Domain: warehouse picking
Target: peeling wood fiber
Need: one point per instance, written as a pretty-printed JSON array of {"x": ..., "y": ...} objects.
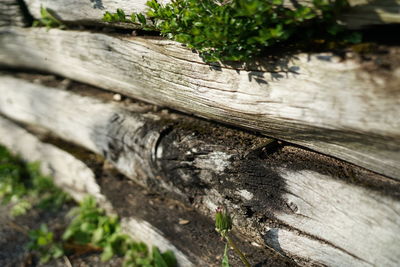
[{"x": 298, "y": 202}]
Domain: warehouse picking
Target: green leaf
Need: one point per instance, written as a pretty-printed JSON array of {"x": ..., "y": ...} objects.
[
  {"x": 133, "y": 17},
  {"x": 121, "y": 15},
  {"x": 141, "y": 18},
  {"x": 57, "y": 252},
  {"x": 158, "y": 258},
  {"x": 107, "y": 254},
  {"x": 223, "y": 221},
  {"x": 169, "y": 258},
  {"x": 108, "y": 17},
  {"x": 97, "y": 235}
]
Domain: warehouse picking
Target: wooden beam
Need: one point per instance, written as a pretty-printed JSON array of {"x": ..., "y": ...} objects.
[
  {"x": 298, "y": 202},
  {"x": 362, "y": 13},
  {"x": 344, "y": 108}
]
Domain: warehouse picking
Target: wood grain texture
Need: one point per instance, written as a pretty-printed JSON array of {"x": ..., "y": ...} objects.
[
  {"x": 13, "y": 13},
  {"x": 376, "y": 12},
  {"x": 298, "y": 202},
  {"x": 361, "y": 14},
  {"x": 73, "y": 176},
  {"x": 348, "y": 109}
]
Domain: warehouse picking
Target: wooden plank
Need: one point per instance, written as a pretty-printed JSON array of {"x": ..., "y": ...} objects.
[
  {"x": 73, "y": 176},
  {"x": 362, "y": 13},
  {"x": 344, "y": 108},
  {"x": 298, "y": 202}
]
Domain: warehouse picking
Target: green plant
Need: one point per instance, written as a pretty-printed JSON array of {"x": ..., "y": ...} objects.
[
  {"x": 223, "y": 225},
  {"x": 91, "y": 230},
  {"x": 238, "y": 30},
  {"x": 48, "y": 20},
  {"x": 92, "y": 227},
  {"x": 23, "y": 186},
  {"x": 42, "y": 241}
]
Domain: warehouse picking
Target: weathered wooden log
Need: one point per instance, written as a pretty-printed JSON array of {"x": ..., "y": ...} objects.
[
  {"x": 362, "y": 13},
  {"x": 344, "y": 108},
  {"x": 298, "y": 202}
]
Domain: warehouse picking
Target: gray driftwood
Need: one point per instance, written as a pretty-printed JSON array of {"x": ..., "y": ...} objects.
[
  {"x": 344, "y": 108},
  {"x": 298, "y": 202},
  {"x": 361, "y": 14},
  {"x": 73, "y": 176}
]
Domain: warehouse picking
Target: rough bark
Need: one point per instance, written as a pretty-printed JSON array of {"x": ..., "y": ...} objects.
[
  {"x": 362, "y": 13},
  {"x": 344, "y": 108},
  {"x": 298, "y": 202}
]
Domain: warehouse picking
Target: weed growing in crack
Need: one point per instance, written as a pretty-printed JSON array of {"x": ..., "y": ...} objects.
[{"x": 48, "y": 20}]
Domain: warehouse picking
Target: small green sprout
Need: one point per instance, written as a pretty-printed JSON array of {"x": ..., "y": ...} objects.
[
  {"x": 48, "y": 20},
  {"x": 119, "y": 16},
  {"x": 223, "y": 221},
  {"x": 223, "y": 225},
  {"x": 42, "y": 241}
]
